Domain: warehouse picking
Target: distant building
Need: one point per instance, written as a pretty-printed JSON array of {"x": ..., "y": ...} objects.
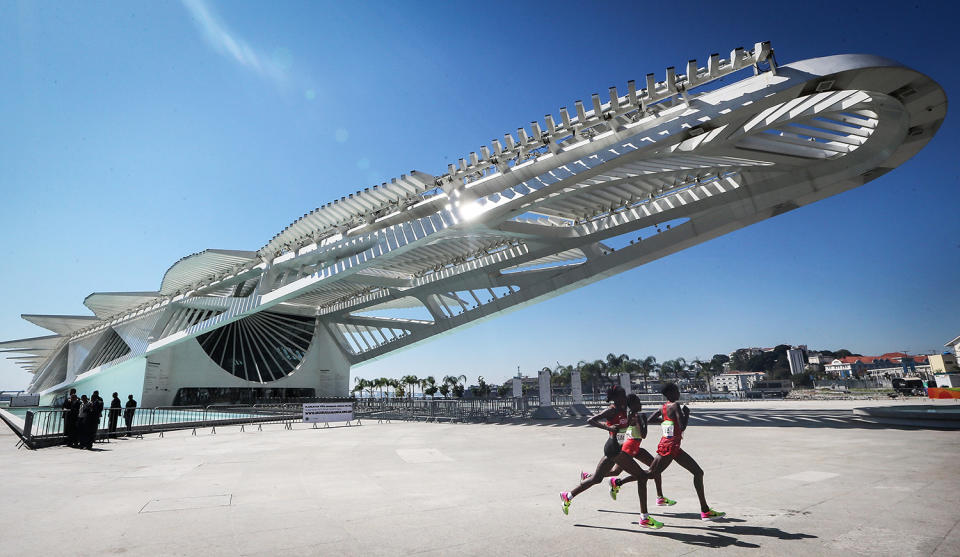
[
  {"x": 891, "y": 364},
  {"x": 846, "y": 368},
  {"x": 947, "y": 361},
  {"x": 818, "y": 359},
  {"x": 955, "y": 344},
  {"x": 795, "y": 357},
  {"x": 736, "y": 381},
  {"x": 943, "y": 363}
]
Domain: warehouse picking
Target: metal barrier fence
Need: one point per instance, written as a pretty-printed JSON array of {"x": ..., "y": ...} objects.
[
  {"x": 478, "y": 409},
  {"x": 45, "y": 427}
]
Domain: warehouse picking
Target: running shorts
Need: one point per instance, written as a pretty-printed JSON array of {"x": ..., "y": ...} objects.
[
  {"x": 631, "y": 447},
  {"x": 669, "y": 446},
  {"x": 611, "y": 449}
]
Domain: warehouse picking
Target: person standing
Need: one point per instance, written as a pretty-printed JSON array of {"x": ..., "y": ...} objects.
[
  {"x": 70, "y": 417},
  {"x": 83, "y": 423},
  {"x": 128, "y": 412},
  {"x": 96, "y": 413},
  {"x": 114, "y": 414}
]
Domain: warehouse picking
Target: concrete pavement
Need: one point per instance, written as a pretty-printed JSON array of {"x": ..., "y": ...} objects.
[{"x": 442, "y": 489}]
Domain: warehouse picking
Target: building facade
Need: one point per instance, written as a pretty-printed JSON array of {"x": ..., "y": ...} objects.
[{"x": 736, "y": 381}]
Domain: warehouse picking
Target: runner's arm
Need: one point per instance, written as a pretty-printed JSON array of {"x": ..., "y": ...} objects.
[
  {"x": 596, "y": 419},
  {"x": 643, "y": 425}
]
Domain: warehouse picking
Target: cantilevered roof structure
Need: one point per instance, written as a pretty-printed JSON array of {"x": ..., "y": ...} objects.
[{"x": 635, "y": 174}]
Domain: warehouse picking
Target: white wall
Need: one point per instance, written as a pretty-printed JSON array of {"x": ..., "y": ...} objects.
[{"x": 324, "y": 368}]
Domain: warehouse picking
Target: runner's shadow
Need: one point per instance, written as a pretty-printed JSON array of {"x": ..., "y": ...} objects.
[
  {"x": 752, "y": 531},
  {"x": 696, "y": 516},
  {"x": 691, "y": 516},
  {"x": 712, "y": 539}
]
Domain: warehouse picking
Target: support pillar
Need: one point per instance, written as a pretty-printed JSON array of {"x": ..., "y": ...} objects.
[
  {"x": 546, "y": 411},
  {"x": 578, "y": 408}
]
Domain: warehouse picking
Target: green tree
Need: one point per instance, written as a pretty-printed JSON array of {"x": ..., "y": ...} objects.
[
  {"x": 444, "y": 387},
  {"x": 380, "y": 383},
  {"x": 560, "y": 376},
  {"x": 482, "y": 390},
  {"x": 428, "y": 386},
  {"x": 456, "y": 384},
  {"x": 614, "y": 367},
  {"x": 359, "y": 384},
  {"x": 412, "y": 381},
  {"x": 647, "y": 366}
]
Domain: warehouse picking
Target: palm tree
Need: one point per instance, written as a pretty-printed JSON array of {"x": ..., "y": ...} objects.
[
  {"x": 380, "y": 383},
  {"x": 411, "y": 380},
  {"x": 428, "y": 385},
  {"x": 615, "y": 366},
  {"x": 444, "y": 387},
  {"x": 359, "y": 384},
  {"x": 560, "y": 376},
  {"x": 648, "y": 365},
  {"x": 596, "y": 371},
  {"x": 450, "y": 384},
  {"x": 482, "y": 388}
]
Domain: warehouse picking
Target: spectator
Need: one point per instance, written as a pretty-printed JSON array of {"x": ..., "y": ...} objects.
[
  {"x": 70, "y": 407},
  {"x": 114, "y": 414},
  {"x": 83, "y": 423},
  {"x": 128, "y": 412},
  {"x": 96, "y": 413}
]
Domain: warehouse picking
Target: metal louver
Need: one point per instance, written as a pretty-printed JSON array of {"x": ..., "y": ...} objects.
[{"x": 263, "y": 347}]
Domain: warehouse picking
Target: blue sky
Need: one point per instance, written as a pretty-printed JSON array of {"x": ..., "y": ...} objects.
[{"x": 136, "y": 133}]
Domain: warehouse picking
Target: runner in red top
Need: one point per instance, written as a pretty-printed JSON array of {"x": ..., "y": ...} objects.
[
  {"x": 614, "y": 420},
  {"x": 636, "y": 432},
  {"x": 674, "y": 422}
]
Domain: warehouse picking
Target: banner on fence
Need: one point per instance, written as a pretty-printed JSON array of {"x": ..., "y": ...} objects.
[
  {"x": 324, "y": 412},
  {"x": 24, "y": 400}
]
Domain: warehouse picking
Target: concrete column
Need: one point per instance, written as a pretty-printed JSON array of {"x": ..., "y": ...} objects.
[
  {"x": 578, "y": 408},
  {"x": 625, "y": 382},
  {"x": 544, "y": 388},
  {"x": 517, "y": 388},
  {"x": 576, "y": 387},
  {"x": 546, "y": 410}
]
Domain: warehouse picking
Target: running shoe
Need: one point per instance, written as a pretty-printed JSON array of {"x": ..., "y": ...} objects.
[
  {"x": 651, "y": 523},
  {"x": 712, "y": 515},
  {"x": 665, "y": 502},
  {"x": 565, "y": 496},
  {"x": 614, "y": 488},
  {"x": 584, "y": 475}
]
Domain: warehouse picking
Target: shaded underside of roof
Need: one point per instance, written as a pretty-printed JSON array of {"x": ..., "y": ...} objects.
[{"x": 202, "y": 265}]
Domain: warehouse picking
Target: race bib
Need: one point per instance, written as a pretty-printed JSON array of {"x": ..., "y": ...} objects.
[
  {"x": 620, "y": 437},
  {"x": 667, "y": 428}
]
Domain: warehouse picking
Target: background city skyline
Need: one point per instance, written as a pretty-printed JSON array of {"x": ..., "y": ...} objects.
[{"x": 138, "y": 134}]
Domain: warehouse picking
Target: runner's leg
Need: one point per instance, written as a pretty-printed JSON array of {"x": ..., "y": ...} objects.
[
  {"x": 684, "y": 459},
  {"x": 647, "y": 458},
  {"x": 631, "y": 467},
  {"x": 603, "y": 469}
]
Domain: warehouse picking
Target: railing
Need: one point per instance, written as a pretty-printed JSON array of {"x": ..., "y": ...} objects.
[
  {"x": 45, "y": 427},
  {"x": 480, "y": 409}
]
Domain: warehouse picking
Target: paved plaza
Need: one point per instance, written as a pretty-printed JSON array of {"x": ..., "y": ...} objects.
[{"x": 815, "y": 484}]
